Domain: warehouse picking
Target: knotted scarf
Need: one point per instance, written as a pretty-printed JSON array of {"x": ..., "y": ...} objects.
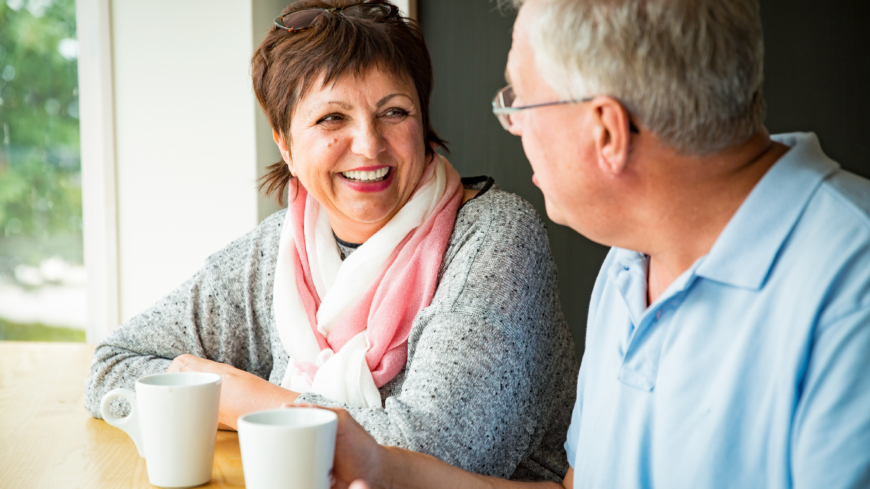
[{"x": 345, "y": 324}]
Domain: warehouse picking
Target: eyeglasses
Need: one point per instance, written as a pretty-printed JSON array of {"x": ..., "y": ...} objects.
[
  {"x": 502, "y": 107},
  {"x": 303, "y": 19}
]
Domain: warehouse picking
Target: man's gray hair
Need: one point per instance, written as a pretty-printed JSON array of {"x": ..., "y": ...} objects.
[{"x": 690, "y": 71}]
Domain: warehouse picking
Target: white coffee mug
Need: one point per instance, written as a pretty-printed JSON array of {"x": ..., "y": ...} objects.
[
  {"x": 288, "y": 448},
  {"x": 173, "y": 422}
]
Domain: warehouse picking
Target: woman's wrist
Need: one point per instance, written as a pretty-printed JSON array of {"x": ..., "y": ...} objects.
[{"x": 243, "y": 393}]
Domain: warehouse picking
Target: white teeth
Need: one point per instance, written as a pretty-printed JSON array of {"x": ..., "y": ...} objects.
[{"x": 367, "y": 176}]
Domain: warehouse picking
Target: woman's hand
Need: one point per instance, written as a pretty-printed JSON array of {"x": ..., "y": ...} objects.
[
  {"x": 192, "y": 363},
  {"x": 358, "y": 457},
  {"x": 241, "y": 392}
]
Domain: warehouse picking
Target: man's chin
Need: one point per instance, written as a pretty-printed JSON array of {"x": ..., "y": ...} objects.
[{"x": 554, "y": 214}]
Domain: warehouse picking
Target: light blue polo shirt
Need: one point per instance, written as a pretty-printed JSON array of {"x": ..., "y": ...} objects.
[{"x": 753, "y": 369}]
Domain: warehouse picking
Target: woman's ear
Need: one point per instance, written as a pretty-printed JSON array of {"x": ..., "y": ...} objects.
[
  {"x": 283, "y": 148},
  {"x": 435, "y": 154}
]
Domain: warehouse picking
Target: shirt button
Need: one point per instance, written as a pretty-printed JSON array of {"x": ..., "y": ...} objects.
[{"x": 659, "y": 314}]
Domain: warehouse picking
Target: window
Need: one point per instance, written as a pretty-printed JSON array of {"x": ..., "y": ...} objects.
[{"x": 42, "y": 278}]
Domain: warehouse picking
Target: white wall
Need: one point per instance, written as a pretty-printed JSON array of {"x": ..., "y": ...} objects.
[
  {"x": 408, "y": 8},
  {"x": 99, "y": 209},
  {"x": 186, "y": 137}
]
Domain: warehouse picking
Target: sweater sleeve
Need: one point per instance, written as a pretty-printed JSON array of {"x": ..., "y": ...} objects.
[
  {"x": 222, "y": 313},
  {"x": 490, "y": 362}
]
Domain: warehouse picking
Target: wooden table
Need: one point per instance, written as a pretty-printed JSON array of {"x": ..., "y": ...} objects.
[{"x": 48, "y": 439}]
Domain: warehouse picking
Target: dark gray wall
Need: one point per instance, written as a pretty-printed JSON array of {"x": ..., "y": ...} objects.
[
  {"x": 817, "y": 79},
  {"x": 817, "y": 74}
]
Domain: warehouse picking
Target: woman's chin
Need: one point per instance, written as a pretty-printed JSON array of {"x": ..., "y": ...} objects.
[
  {"x": 370, "y": 209},
  {"x": 358, "y": 224},
  {"x": 370, "y": 219}
]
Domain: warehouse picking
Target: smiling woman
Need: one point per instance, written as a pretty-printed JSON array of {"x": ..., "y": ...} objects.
[
  {"x": 359, "y": 151},
  {"x": 422, "y": 303}
]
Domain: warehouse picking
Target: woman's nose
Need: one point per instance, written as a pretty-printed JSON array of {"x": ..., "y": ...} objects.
[{"x": 368, "y": 141}]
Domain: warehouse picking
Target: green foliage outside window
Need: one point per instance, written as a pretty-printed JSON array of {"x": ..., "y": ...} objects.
[
  {"x": 10, "y": 331},
  {"x": 40, "y": 183}
]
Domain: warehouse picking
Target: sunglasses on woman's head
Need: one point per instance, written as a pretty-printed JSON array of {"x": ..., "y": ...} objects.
[{"x": 303, "y": 19}]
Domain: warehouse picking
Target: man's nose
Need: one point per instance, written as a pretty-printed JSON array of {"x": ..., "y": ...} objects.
[{"x": 517, "y": 121}]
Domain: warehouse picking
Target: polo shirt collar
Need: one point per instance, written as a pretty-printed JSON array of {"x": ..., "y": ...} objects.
[
  {"x": 744, "y": 253},
  {"x": 628, "y": 272}
]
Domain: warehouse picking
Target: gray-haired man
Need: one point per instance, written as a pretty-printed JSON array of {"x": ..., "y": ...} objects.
[{"x": 728, "y": 338}]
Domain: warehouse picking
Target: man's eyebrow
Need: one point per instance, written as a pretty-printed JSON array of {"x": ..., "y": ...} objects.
[
  {"x": 507, "y": 76},
  {"x": 389, "y": 97}
]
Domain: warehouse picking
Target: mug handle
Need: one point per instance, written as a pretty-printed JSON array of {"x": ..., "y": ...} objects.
[{"x": 130, "y": 423}]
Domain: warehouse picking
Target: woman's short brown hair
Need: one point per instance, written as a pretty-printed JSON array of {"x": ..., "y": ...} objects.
[{"x": 286, "y": 64}]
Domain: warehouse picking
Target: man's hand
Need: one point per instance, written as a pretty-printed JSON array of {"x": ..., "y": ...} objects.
[
  {"x": 358, "y": 457},
  {"x": 241, "y": 392}
]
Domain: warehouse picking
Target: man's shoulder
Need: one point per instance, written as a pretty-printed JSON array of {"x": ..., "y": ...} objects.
[
  {"x": 836, "y": 219},
  {"x": 852, "y": 197},
  {"x": 803, "y": 223},
  {"x": 832, "y": 243},
  {"x": 821, "y": 268},
  {"x": 845, "y": 196}
]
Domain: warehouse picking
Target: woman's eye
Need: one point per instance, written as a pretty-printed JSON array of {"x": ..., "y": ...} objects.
[
  {"x": 396, "y": 113},
  {"x": 330, "y": 118}
]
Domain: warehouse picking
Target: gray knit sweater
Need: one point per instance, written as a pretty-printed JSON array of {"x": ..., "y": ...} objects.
[{"x": 490, "y": 379}]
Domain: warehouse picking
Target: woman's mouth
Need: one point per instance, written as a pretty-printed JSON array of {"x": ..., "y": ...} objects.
[
  {"x": 367, "y": 176},
  {"x": 370, "y": 179}
]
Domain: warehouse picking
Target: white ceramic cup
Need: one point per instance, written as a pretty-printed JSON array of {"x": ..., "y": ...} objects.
[
  {"x": 173, "y": 422},
  {"x": 288, "y": 448}
]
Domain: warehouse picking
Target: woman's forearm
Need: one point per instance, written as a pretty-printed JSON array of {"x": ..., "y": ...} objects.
[
  {"x": 241, "y": 392},
  {"x": 115, "y": 367},
  {"x": 245, "y": 393}
]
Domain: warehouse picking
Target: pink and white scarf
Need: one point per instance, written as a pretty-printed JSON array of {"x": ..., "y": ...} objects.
[{"x": 345, "y": 324}]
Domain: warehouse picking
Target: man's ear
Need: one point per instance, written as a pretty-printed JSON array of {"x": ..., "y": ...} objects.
[
  {"x": 283, "y": 148},
  {"x": 612, "y": 134}
]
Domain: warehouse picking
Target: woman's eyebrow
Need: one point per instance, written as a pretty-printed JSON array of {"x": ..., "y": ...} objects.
[
  {"x": 347, "y": 106},
  {"x": 343, "y": 105},
  {"x": 386, "y": 99}
]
